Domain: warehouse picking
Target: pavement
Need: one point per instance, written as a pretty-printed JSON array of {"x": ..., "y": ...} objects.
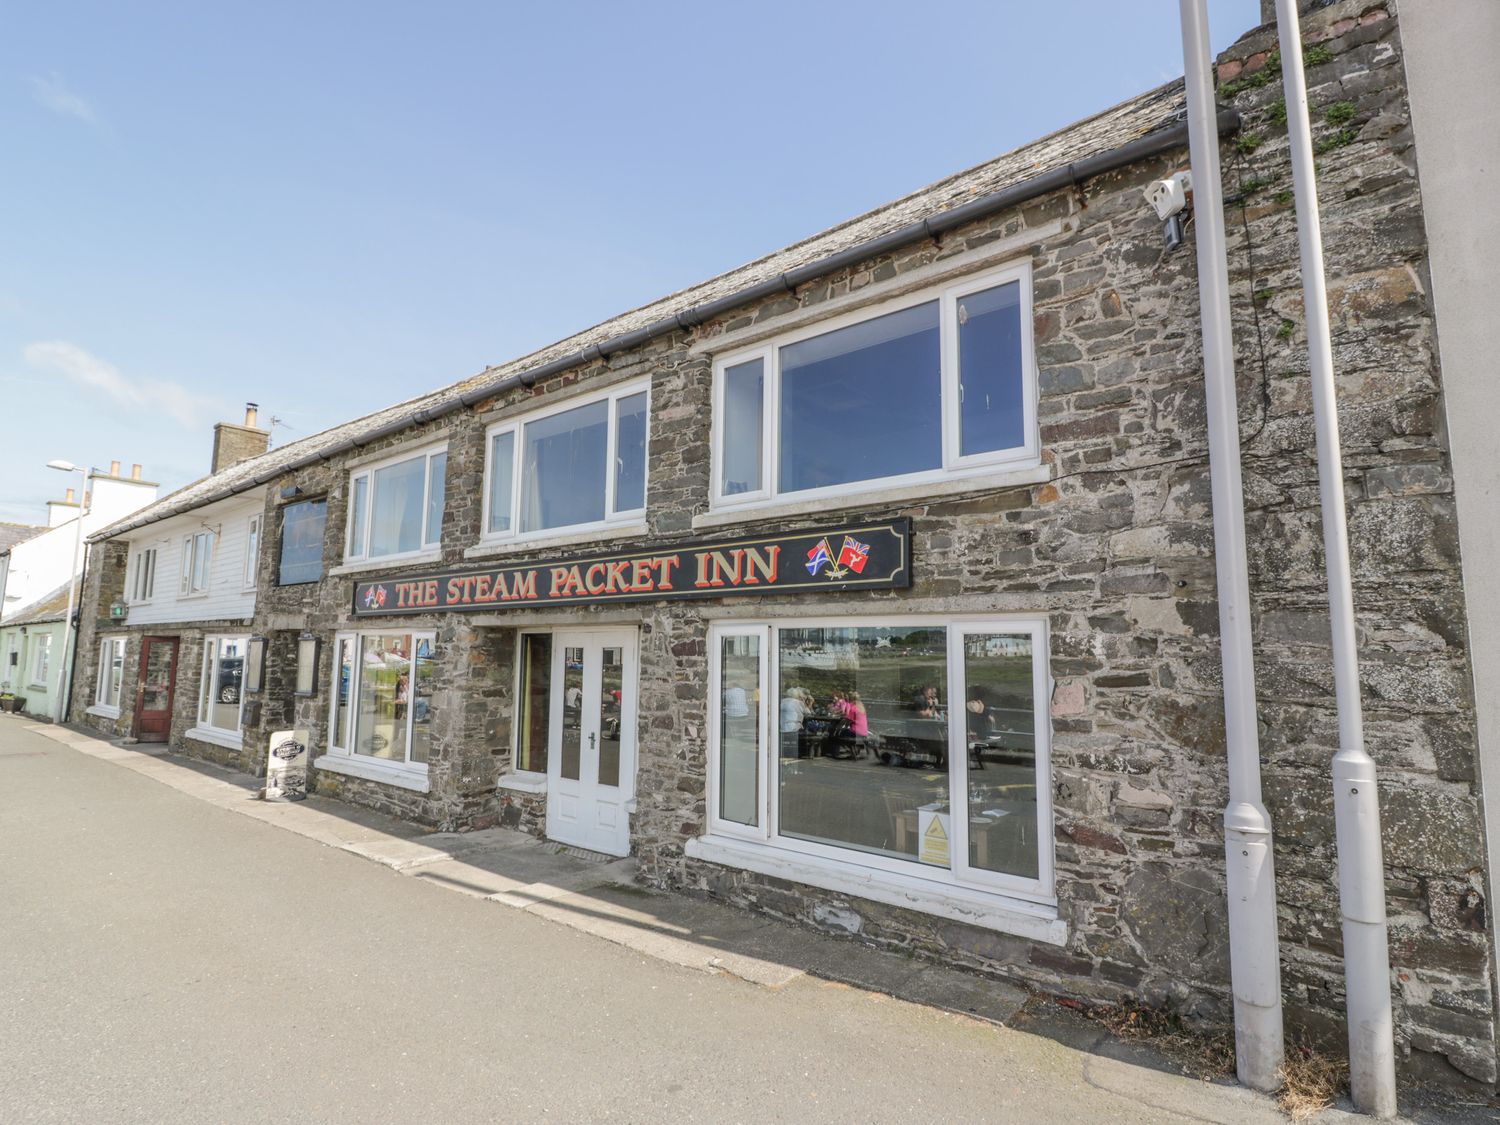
[{"x": 177, "y": 950}]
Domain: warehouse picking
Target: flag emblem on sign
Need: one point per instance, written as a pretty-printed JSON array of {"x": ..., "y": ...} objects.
[
  {"x": 819, "y": 557},
  {"x": 854, "y": 554},
  {"x": 375, "y": 597}
]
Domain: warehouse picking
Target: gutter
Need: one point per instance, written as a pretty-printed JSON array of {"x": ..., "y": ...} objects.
[{"x": 1073, "y": 174}]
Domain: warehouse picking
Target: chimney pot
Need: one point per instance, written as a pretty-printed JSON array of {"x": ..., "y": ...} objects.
[
  {"x": 252, "y": 414},
  {"x": 135, "y": 472},
  {"x": 114, "y": 468},
  {"x": 68, "y": 496}
]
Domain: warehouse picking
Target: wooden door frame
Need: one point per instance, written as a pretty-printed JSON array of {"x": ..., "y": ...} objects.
[{"x": 140, "y": 684}]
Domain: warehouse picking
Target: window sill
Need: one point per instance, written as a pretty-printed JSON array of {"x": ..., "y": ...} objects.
[
  {"x": 401, "y": 776},
  {"x": 568, "y": 539},
  {"x": 230, "y": 741},
  {"x": 103, "y": 711},
  {"x": 523, "y": 783},
  {"x": 992, "y": 480},
  {"x": 990, "y": 910},
  {"x": 389, "y": 563}
]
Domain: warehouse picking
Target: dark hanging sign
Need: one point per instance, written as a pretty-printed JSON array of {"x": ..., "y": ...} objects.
[{"x": 871, "y": 556}]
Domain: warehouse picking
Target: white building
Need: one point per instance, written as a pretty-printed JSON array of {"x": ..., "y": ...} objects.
[{"x": 35, "y": 575}]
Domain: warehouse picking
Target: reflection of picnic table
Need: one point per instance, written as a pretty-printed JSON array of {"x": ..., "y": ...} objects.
[{"x": 913, "y": 741}]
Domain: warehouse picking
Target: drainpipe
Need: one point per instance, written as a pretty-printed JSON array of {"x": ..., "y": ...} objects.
[
  {"x": 1254, "y": 956},
  {"x": 1356, "y": 804}
]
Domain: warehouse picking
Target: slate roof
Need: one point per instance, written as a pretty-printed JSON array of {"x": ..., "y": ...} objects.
[
  {"x": 1136, "y": 117},
  {"x": 14, "y": 533},
  {"x": 49, "y": 607}
]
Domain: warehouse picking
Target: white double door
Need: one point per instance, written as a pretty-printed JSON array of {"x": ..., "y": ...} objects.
[{"x": 591, "y": 755}]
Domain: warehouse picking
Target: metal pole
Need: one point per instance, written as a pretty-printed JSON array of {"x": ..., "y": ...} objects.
[
  {"x": 1254, "y": 955},
  {"x": 1356, "y": 804},
  {"x": 74, "y": 581}
]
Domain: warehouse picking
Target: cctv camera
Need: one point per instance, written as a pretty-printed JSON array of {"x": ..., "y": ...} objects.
[{"x": 1169, "y": 196}]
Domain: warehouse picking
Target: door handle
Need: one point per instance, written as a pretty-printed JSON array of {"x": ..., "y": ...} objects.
[{"x": 591, "y": 740}]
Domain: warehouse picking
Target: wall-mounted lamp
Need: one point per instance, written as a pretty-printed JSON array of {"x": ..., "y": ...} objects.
[
  {"x": 307, "y": 664},
  {"x": 255, "y": 665}
]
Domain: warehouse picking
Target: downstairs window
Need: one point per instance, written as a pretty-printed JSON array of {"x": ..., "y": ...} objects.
[{"x": 912, "y": 746}]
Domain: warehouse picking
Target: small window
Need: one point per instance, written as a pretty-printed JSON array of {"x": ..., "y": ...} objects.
[
  {"x": 252, "y": 551},
  {"x": 396, "y": 508},
  {"x": 534, "y": 713},
  {"x": 221, "y": 694},
  {"x": 111, "y": 672},
  {"x": 921, "y": 389},
  {"x": 143, "y": 577},
  {"x": 197, "y": 563},
  {"x": 41, "y": 661},
  {"x": 302, "y": 527},
  {"x": 382, "y": 697},
  {"x": 576, "y": 467}
]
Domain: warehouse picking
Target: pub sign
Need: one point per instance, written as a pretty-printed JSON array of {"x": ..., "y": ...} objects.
[{"x": 868, "y": 556}]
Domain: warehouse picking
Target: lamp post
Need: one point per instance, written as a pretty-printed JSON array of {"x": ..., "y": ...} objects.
[{"x": 74, "y": 581}]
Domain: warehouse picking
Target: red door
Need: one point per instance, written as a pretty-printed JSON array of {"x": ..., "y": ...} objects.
[{"x": 153, "y": 694}]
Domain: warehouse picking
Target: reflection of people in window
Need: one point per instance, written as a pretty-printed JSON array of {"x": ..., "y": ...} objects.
[
  {"x": 793, "y": 711},
  {"x": 925, "y": 703},
  {"x": 573, "y": 698},
  {"x": 736, "y": 704}
]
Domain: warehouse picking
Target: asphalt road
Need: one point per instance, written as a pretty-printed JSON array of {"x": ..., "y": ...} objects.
[{"x": 165, "y": 960}]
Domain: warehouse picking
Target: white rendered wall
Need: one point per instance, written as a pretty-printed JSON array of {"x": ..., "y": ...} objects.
[
  {"x": 227, "y": 595},
  {"x": 1455, "y": 104}
]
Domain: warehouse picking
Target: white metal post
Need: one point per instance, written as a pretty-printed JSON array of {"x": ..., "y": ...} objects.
[
  {"x": 1254, "y": 953},
  {"x": 1356, "y": 804},
  {"x": 75, "y": 580}
]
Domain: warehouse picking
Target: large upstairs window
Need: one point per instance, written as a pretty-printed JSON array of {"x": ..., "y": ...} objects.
[
  {"x": 927, "y": 387},
  {"x": 396, "y": 506},
  {"x": 577, "y": 467}
]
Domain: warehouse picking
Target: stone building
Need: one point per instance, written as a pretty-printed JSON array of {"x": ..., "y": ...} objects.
[{"x": 761, "y": 581}]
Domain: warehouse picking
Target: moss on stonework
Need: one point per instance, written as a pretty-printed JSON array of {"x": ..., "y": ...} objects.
[
  {"x": 1277, "y": 111},
  {"x": 1336, "y": 140},
  {"x": 1316, "y": 56},
  {"x": 1339, "y": 112},
  {"x": 1281, "y": 198},
  {"x": 1253, "y": 185},
  {"x": 1248, "y": 142},
  {"x": 1286, "y": 330}
]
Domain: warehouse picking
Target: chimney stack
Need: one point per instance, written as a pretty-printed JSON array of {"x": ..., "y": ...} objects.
[
  {"x": 233, "y": 444},
  {"x": 135, "y": 472},
  {"x": 114, "y": 468},
  {"x": 68, "y": 496}
]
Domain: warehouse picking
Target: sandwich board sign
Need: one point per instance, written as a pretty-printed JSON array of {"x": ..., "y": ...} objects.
[{"x": 286, "y": 766}]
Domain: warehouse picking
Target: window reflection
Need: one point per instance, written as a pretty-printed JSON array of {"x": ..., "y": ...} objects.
[
  {"x": 864, "y": 737},
  {"x": 1000, "y": 736}
]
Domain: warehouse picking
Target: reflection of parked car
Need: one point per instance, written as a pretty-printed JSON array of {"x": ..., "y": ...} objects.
[{"x": 231, "y": 672}]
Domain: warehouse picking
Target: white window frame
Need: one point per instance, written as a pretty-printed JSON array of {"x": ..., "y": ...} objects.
[
  {"x": 203, "y": 720},
  {"x": 107, "y": 648},
  {"x": 252, "y": 550},
  {"x": 41, "y": 659},
  {"x": 846, "y": 861},
  {"x": 205, "y": 541},
  {"x": 431, "y": 538},
  {"x": 338, "y": 741},
  {"x": 954, "y": 466},
  {"x": 143, "y": 582},
  {"x": 612, "y": 518}
]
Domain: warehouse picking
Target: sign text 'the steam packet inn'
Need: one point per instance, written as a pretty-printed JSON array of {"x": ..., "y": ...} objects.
[{"x": 872, "y": 556}]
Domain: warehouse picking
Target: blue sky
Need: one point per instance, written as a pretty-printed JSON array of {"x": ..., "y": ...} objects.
[{"x": 329, "y": 207}]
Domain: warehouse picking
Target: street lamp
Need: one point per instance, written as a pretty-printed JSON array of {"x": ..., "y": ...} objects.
[{"x": 74, "y": 581}]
